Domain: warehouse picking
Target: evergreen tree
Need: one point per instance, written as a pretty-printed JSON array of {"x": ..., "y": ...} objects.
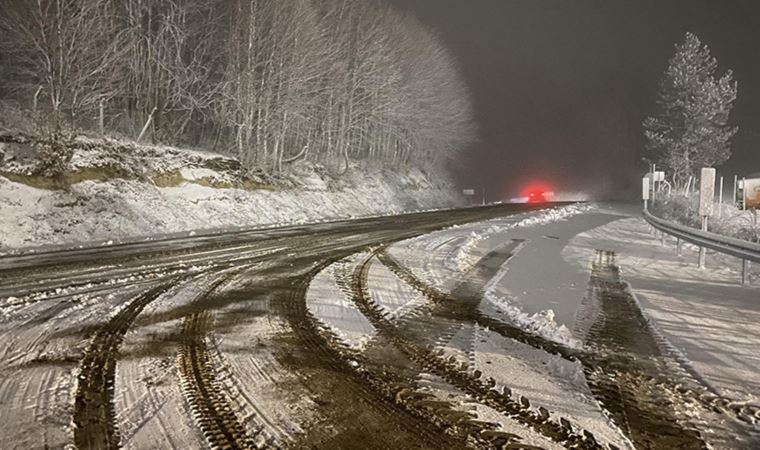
[{"x": 691, "y": 129}]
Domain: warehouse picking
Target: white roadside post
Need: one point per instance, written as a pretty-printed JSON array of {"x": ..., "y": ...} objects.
[
  {"x": 736, "y": 186},
  {"x": 654, "y": 184},
  {"x": 720, "y": 199},
  {"x": 745, "y": 272},
  {"x": 706, "y": 199},
  {"x": 645, "y": 192},
  {"x": 658, "y": 177},
  {"x": 750, "y": 192}
]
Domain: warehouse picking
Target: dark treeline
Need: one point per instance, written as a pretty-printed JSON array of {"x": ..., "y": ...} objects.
[{"x": 272, "y": 81}]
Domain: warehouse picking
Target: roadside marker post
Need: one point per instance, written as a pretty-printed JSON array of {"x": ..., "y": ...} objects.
[
  {"x": 706, "y": 200},
  {"x": 645, "y": 192},
  {"x": 736, "y": 186},
  {"x": 745, "y": 272},
  {"x": 720, "y": 199}
]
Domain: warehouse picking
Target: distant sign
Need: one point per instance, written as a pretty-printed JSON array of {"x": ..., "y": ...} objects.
[
  {"x": 645, "y": 188},
  {"x": 659, "y": 176},
  {"x": 706, "y": 192},
  {"x": 468, "y": 191},
  {"x": 751, "y": 192}
]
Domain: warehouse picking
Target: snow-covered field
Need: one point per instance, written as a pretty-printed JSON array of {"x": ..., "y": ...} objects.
[{"x": 203, "y": 192}]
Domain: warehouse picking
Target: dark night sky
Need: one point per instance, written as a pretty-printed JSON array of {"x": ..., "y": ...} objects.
[{"x": 560, "y": 87}]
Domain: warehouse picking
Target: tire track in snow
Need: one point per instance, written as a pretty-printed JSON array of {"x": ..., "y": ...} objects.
[
  {"x": 442, "y": 301},
  {"x": 94, "y": 413},
  {"x": 630, "y": 376},
  {"x": 403, "y": 411},
  {"x": 205, "y": 394},
  {"x": 463, "y": 380}
]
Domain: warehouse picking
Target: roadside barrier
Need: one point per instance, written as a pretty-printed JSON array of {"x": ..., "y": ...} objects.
[{"x": 746, "y": 251}]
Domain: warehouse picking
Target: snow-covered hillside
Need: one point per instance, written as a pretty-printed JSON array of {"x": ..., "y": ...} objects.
[{"x": 119, "y": 191}]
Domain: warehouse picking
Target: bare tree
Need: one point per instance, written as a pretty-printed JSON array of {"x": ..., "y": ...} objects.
[
  {"x": 276, "y": 81},
  {"x": 65, "y": 51},
  {"x": 67, "y": 47}
]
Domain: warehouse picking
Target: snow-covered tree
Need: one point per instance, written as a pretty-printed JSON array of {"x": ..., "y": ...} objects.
[
  {"x": 691, "y": 129},
  {"x": 331, "y": 81}
]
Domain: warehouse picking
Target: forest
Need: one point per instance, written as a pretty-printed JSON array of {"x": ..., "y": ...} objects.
[{"x": 270, "y": 81}]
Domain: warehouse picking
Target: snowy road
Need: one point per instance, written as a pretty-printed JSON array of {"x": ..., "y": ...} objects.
[{"x": 481, "y": 328}]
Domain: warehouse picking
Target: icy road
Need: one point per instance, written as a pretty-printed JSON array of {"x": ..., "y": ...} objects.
[{"x": 512, "y": 326}]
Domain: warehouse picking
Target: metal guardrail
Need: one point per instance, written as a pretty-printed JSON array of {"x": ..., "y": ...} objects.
[{"x": 744, "y": 250}]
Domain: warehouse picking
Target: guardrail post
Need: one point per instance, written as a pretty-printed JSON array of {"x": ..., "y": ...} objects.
[
  {"x": 702, "y": 250},
  {"x": 745, "y": 251},
  {"x": 745, "y": 272},
  {"x": 662, "y": 238}
]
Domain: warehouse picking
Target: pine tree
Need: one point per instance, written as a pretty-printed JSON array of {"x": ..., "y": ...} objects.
[{"x": 691, "y": 130}]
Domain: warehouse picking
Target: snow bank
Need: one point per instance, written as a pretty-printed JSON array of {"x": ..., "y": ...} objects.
[
  {"x": 202, "y": 199},
  {"x": 541, "y": 323},
  {"x": 466, "y": 256}
]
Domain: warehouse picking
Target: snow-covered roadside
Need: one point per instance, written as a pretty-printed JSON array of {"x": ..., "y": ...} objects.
[
  {"x": 705, "y": 314},
  {"x": 119, "y": 209},
  {"x": 119, "y": 191}
]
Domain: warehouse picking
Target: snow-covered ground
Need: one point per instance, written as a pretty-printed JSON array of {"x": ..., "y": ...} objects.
[
  {"x": 704, "y": 318},
  {"x": 536, "y": 288},
  {"x": 160, "y": 190},
  {"x": 705, "y": 314},
  {"x": 442, "y": 259}
]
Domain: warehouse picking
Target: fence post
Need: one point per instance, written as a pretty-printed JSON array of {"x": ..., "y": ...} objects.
[
  {"x": 678, "y": 246},
  {"x": 745, "y": 272}
]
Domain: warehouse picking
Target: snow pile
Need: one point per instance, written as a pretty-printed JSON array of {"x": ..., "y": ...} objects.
[
  {"x": 541, "y": 323},
  {"x": 466, "y": 256}
]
